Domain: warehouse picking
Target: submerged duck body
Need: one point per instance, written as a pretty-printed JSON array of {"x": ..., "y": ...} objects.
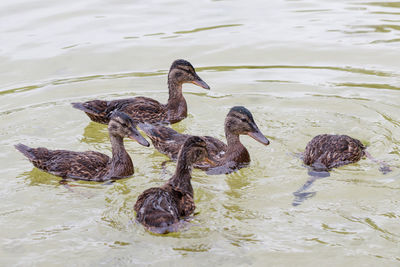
[
  {"x": 90, "y": 165},
  {"x": 159, "y": 209},
  {"x": 328, "y": 151},
  {"x": 225, "y": 158},
  {"x": 144, "y": 109}
]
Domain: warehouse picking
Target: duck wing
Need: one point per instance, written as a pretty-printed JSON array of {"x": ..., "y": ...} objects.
[
  {"x": 166, "y": 140},
  {"x": 184, "y": 200},
  {"x": 156, "y": 209},
  {"x": 216, "y": 148},
  {"x": 87, "y": 165},
  {"x": 333, "y": 150},
  {"x": 141, "y": 109}
]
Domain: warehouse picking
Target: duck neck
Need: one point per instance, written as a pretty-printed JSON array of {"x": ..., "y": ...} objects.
[
  {"x": 176, "y": 106},
  {"x": 121, "y": 162},
  {"x": 182, "y": 177},
  {"x": 236, "y": 151}
]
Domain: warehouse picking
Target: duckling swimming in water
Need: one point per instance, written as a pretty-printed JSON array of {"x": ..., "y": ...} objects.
[
  {"x": 144, "y": 109},
  {"x": 90, "y": 165},
  {"x": 327, "y": 151},
  {"x": 225, "y": 158},
  {"x": 160, "y": 208}
]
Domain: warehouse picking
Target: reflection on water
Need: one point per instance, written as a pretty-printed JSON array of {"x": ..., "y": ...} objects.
[
  {"x": 392, "y": 237},
  {"x": 36, "y": 177},
  {"x": 209, "y": 28},
  {"x": 95, "y": 133},
  {"x": 373, "y": 86},
  {"x": 382, "y": 4},
  {"x": 379, "y": 73},
  {"x": 194, "y": 248},
  {"x": 69, "y": 81},
  {"x": 346, "y": 69}
]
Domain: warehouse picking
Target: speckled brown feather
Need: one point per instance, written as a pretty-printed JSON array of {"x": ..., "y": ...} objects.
[
  {"x": 225, "y": 158},
  {"x": 329, "y": 151},
  {"x": 90, "y": 165},
  {"x": 160, "y": 208},
  {"x": 168, "y": 142},
  {"x": 95, "y": 109},
  {"x": 147, "y": 110},
  {"x": 143, "y": 109}
]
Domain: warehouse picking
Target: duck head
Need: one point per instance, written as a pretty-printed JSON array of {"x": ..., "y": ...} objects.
[
  {"x": 122, "y": 125},
  {"x": 240, "y": 121},
  {"x": 182, "y": 71},
  {"x": 193, "y": 150}
]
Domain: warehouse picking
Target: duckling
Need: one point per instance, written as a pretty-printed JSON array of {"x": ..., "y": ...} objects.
[
  {"x": 90, "y": 165},
  {"x": 144, "y": 109},
  {"x": 226, "y": 158},
  {"x": 160, "y": 208},
  {"x": 327, "y": 151}
]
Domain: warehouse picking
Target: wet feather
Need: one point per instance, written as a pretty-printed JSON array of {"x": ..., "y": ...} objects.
[
  {"x": 225, "y": 158},
  {"x": 160, "y": 209},
  {"x": 89, "y": 165},
  {"x": 144, "y": 109},
  {"x": 327, "y": 151}
]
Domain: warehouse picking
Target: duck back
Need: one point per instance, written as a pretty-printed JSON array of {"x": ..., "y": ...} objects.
[{"x": 333, "y": 150}]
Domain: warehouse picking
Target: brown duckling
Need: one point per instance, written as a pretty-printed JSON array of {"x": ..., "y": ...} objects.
[
  {"x": 160, "y": 208},
  {"x": 144, "y": 109},
  {"x": 90, "y": 165},
  {"x": 226, "y": 158},
  {"x": 327, "y": 151}
]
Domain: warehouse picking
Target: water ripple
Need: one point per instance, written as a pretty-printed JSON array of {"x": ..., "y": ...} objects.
[
  {"x": 369, "y": 85},
  {"x": 208, "y": 28},
  {"x": 382, "y": 4},
  {"x": 82, "y": 79},
  {"x": 212, "y": 68},
  {"x": 342, "y": 69}
]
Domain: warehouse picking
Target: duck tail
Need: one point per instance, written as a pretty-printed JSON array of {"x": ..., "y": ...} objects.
[
  {"x": 94, "y": 107},
  {"x": 26, "y": 150},
  {"x": 97, "y": 110},
  {"x": 79, "y": 105}
]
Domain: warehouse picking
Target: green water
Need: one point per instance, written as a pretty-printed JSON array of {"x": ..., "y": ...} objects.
[{"x": 301, "y": 67}]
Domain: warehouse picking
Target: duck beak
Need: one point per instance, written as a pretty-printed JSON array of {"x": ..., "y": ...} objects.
[
  {"x": 199, "y": 82},
  {"x": 209, "y": 161},
  {"x": 258, "y": 136},
  {"x": 135, "y": 135}
]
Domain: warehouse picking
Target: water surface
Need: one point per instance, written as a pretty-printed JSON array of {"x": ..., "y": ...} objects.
[{"x": 301, "y": 67}]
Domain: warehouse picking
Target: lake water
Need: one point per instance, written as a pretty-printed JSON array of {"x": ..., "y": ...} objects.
[{"x": 301, "y": 67}]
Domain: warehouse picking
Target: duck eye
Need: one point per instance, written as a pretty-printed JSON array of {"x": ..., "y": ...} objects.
[{"x": 243, "y": 120}]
